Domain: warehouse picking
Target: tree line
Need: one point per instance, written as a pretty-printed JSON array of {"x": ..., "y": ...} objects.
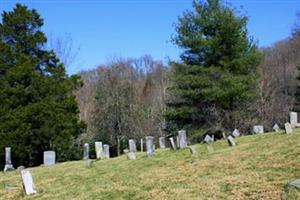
[{"x": 221, "y": 82}]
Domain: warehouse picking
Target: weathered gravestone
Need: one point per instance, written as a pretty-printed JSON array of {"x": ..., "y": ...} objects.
[
  {"x": 86, "y": 151},
  {"x": 231, "y": 141},
  {"x": 208, "y": 139},
  {"x": 106, "y": 153},
  {"x": 131, "y": 155},
  {"x": 28, "y": 184},
  {"x": 149, "y": 146},
  {"x": 294, "y": 184},
  {"x": 132, "y": 146},
  {"x": 99, "y": 150},
  {"x": 294, "y": 120},
  {"x": 49, "y": 158},
  {"x": 8, "y": 164},
  {"x": 182, "y": 139},
  {"x": 162, "y": 142},
  {"x": 288, "y": 128},
  {"x": 142, "y": 145},
  {"x": 236, "y": 133},
  {"x": 258, "y": 129},
  {"x": 172, "y": 143},
  {"x": 177, "y": 141},
  {"x": 276, "y": 128},
  {"x": 193, "y": 150}
]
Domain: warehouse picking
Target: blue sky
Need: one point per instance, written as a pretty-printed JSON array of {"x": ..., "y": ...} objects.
[{"x": 131, "y": 28}]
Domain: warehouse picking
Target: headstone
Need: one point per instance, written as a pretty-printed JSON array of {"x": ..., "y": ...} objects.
[
  {"x": 172, "y": 142},
  {"x": 276, "y": 128},
  {"x": 49, "y": 158},
  {"x": 294, "y": 184},
  {"x": 177, "y": 141},
  {"x": 8, "y": 165},
  {"x": 149, "y": 146},
  {"x": 132, "y": 146},
  {"x": 99, "y": 150},
  {"x": 288, "y": 128},
  {"x": 28, "y": 182},
  {"x": 224, "y": 135},
  {"x": 258, "y": 129},
  {"x": 162, "y": 142},
  {"x": 294, "y": 120},
  {"x": 208, "y": 139},
  {"x": 231, "y": 141},
  {"x": 193, "y": 150},
  {"x": 210, "y": 148},
  {"x": 142, "y": 145},
  {"x": 182, "y": 139},
  {"x": 125, "y": 151},
  {"x": 106, "y": 153},
  {"x": 86, "y": 151},
  {"x": 131, "y": 155},
  {"x": 236, "y": 133}
]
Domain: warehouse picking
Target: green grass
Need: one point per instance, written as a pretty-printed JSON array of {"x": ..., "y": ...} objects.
[{"x": 258, "y": 168}]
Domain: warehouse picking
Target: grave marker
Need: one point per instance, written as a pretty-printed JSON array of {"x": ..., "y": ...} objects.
[
  {"x": 86, "y": 151},
  {"x": 132, "y": 146},
  {"x": 258, "y": 129},
  {"x": 49, "y": 158},
  {"x": 8, "y": 164},
  {"x": 231, "y": 141},
  {"x": 162, "y": 142},
  {"x": 99, "y": 150},
  {"x": 288, "y": 128},
  {"x": 149, "y": 146},
  {"x": 236, "y": 133},
  {"x": 106, "y": 153},
  {"x": 28, "y": 184},
  {"x": 182, "y": 139}
]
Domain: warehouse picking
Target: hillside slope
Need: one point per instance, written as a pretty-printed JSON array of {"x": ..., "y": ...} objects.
[{"x": 258, "y": 168}]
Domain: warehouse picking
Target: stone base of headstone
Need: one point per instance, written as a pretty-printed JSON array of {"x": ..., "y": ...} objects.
[
  {"x": 131, "y": 155},
  {"x": 8, "y": 167}
]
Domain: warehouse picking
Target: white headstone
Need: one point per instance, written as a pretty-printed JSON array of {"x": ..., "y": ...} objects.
[
  {"x": 28, "y": 182},
  {"x": 106, "y": 153},
  {"x": 231, "y": 141},
  {"x": 132, "y": 146},
  {"x": 86, "y": 151},
  {"x": 131, "y": 155},
  {"x": 294, "y": 119},
  {"x": 149, "y": 146},
  {"x": 276, "y": 128},
  {"x": 8, "y": 164},
  {"x": 142, "y": 145},
  {"x": 208, "y": 139},
  {"x": 288, "y": 128},
  {"x": 182, "y": 139},
  {"x": 99, "y": 150},
  {"x": 236, "y": 133},
  {"x": 162, "y": 142},
  {"x": 258, "y": 129},
  {"x": 49, "y": 158},
  {"x": 173, "y": 145}
]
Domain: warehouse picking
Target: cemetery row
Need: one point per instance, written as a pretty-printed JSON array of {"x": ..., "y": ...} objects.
[{"x": 175, "y": 142}]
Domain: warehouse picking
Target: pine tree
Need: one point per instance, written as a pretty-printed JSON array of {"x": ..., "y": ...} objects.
[
  {"x": 217, "y": 77},
  {"x": 38, "y": 110}
]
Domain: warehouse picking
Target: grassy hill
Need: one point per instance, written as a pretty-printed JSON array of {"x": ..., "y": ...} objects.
[{"x": 258, "y": 168}]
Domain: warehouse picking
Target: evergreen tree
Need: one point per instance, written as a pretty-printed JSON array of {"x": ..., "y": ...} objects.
[
  {"x": 217, "y": 76},
  {"x": 38, "y": 110}
]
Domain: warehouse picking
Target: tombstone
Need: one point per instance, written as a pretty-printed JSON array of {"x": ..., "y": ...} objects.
[
  {"x": 276, "y": 128},
  {"x": 224, "y": 135},
  {"x": 294, "y": 119},
  {"x": 106, "y": 154},
  {"x": 231, "y": 141},
  {"x": 208, "y": 139},
  {"x": 288, "y": 128},
  {"x": 49, "y": 158},
  {"x": 149, "y": 146},
  {"x": 236, "y": 133},
  {"x": 131, "y": 155},
  {"x": 177, "y": 141},
  {"x": 162, "y": 142},
  {"x": 28, "y": 184},
  {"x": 99, "y": 150},
  {"x": 86, "y": 151},
  {"x": 294, "y": 184},
  {"x": 193, "y": 150},
  {"x": 132, "y": 146},
  {"x": 142, "y": 145},
  {"x": 8, "y": 165},
  {"x": 258, "y": 129},
  {"x": 172, "y": 142},
  {"x": 182, "y": 139}
]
